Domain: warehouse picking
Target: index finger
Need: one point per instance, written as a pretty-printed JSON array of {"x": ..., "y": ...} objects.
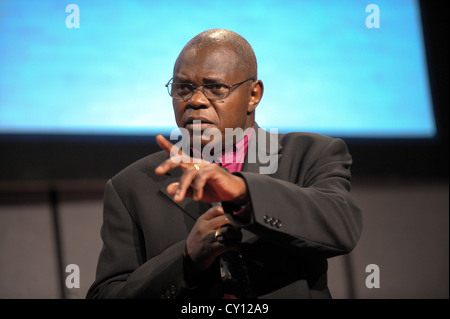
[{"x": 166, "y": 145}]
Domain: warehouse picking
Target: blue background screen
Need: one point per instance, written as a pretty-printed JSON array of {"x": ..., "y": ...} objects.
[{"x": 323, "y": 69}]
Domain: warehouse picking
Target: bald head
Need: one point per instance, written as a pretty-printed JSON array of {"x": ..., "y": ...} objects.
[
  {"x": 217, "y": 61},
  {"x": 246, "y": 57}
]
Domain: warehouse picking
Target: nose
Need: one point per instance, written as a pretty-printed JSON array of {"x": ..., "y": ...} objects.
[{"x": 198, "y": 100}]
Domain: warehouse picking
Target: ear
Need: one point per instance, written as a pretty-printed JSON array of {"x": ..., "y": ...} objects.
[{"x": 257, "y": 89}]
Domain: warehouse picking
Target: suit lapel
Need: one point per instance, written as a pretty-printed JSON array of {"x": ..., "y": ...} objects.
[
  {"x": 253, "y": 163},
  {"x": 260, "y": 146}
]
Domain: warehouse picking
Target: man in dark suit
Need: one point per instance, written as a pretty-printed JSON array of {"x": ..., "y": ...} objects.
[{"x": 246, "y": 215}]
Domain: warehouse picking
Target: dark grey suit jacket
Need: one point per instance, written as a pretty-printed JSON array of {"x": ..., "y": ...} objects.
[{"x": 302, "y": 214}]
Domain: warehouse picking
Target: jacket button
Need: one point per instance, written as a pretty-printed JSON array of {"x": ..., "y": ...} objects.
[
  {"x": 278, "y": 224},
  {"x": 168, "y": 294},
  {"x": 267, "y": 219},
  {"x": 173, "y": 290},
  {"x": 273, "y": 221}
]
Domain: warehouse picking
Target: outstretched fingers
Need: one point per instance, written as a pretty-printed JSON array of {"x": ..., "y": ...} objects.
[
  {"x": 177, "y": 156},
  {"x": 165, "y": 144},
  {"x": 184, "y": 183}
]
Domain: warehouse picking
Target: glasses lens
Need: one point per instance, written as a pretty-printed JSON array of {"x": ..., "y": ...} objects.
[
  {"x": 216, "y": 91},
  {"x": 182, "y": 90}
]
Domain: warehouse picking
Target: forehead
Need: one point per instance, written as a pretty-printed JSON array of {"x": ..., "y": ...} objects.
[{"x": 209, "y": 61}]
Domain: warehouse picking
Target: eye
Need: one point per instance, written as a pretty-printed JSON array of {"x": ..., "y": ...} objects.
[
  {"x": 216, "y": 88},
  {"x": 183, "y": 88}
]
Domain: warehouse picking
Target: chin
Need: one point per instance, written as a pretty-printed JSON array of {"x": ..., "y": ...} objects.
[{"x": 201, "y": 142}]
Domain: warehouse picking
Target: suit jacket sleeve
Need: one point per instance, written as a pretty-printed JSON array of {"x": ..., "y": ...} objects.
[
  {"x": 307, "y": 204},
  {"x": 121, "y": 270}
]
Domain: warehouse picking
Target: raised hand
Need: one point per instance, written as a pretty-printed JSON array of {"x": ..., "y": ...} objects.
[{"x": 201, "y": 180}]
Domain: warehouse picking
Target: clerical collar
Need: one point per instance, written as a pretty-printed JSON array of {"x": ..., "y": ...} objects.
[{"x": 232, "y": 159}]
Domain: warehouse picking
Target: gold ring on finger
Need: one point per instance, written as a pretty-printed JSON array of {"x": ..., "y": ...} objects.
[{"x": 218, "y": 236}]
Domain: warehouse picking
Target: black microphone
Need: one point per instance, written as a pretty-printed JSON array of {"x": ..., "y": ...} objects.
[
  {"x": 230, "y": 263},
  {"x": 231, "y": 270}
]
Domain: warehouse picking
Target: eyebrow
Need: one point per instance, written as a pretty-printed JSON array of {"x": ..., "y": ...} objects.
[
  {"x": 214, "y": 80},
  {"x": 183, "y": 79},
  {"x": 180, "y": 78}
]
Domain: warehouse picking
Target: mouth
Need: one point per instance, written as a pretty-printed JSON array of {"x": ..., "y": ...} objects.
[{"x": 197, "y": 123}]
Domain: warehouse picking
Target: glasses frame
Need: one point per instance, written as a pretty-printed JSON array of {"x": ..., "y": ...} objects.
[{"x": 195, "y": 87}]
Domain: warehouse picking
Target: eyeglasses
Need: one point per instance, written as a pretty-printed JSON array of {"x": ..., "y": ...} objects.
[{"x": 212, "y": 91}]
